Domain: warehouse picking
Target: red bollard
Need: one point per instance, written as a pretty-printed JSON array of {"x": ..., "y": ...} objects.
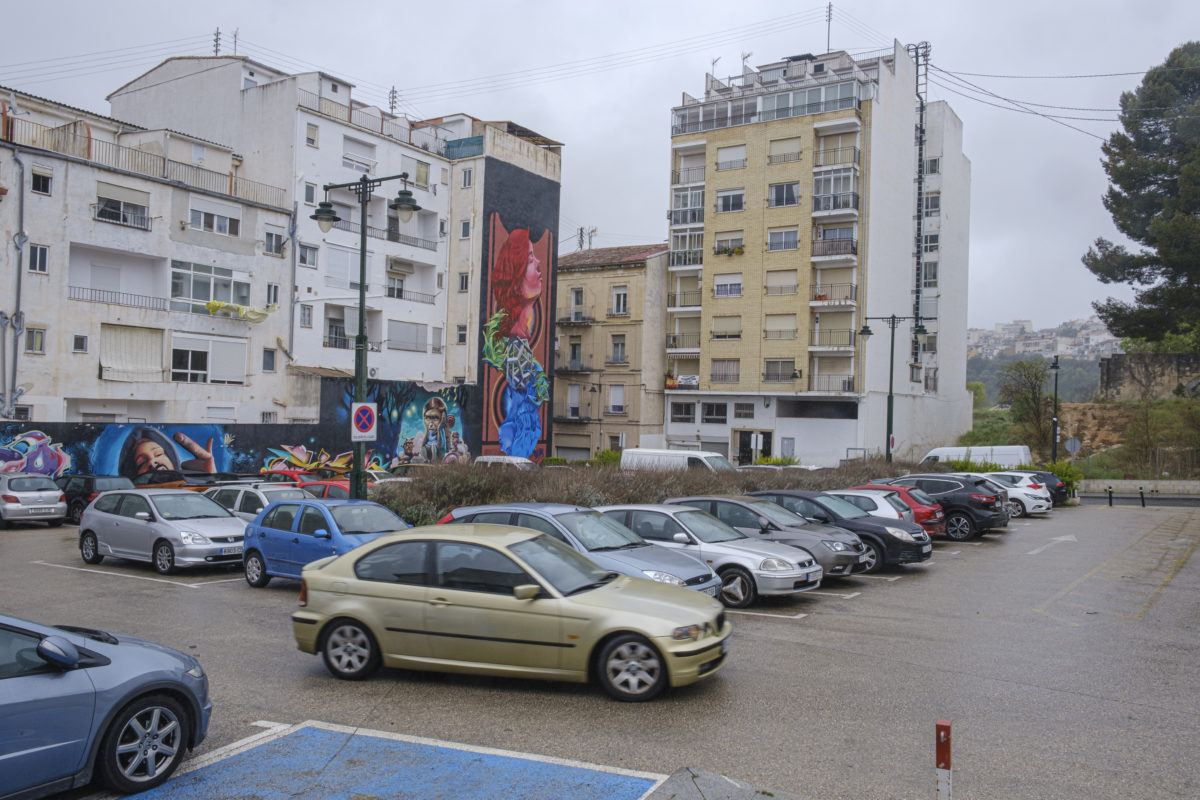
[{"x": 945, "y": 786}]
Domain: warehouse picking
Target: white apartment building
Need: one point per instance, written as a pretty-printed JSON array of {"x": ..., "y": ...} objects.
[
  {"x": 138, "y": 278},
  {"x": 302, "y": 132},
  {"x": 809, "y": 198}
]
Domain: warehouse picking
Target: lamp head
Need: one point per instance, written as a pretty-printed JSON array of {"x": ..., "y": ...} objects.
[
  {"x": 866, "y": 331},
  {"x": 325, "y": 216},
  {"x": 404, "y": 205}
]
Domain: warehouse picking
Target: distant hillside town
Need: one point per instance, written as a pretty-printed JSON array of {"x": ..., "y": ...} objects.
[{"x": 1085, "y": 339}]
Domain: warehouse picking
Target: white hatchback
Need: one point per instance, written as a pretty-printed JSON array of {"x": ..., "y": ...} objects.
[{"x": 876, "y": 502}]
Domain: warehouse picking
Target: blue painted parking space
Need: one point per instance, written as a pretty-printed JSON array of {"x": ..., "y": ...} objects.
[{"x": 314, "y": 761}]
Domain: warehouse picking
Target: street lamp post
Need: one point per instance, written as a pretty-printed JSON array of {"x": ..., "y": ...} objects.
[
  {"x": 1054, "y": 420},
  {"x": 919, "y": 331},
  {"x": 404, "y": 206}
]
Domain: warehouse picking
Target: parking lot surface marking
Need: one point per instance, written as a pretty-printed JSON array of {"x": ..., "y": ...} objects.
[
  {"x": 892, "y": 579},
  {"x": 117, "y": 574},
  {"x": 317, "y": 761},
  {"x": 765, "y": 614},
  {"x": 836, "y": 594}
]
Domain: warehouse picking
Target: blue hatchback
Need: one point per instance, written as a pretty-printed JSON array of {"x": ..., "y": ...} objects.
[{"x": 288, "y": 534}]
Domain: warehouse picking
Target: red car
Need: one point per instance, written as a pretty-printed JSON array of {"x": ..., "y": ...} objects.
[
  {"x": 927, "y": 512},
  {"x": 326, "y": 488},
  {"x": 289, "y": 475}
]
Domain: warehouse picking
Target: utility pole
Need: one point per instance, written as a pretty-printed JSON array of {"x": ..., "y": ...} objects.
[
  {"x": 828, "y": 24},
  {"x": 590, "y": 234},
  {"x": 393, "y": 97},
  {"x": 217, "y": 43}
]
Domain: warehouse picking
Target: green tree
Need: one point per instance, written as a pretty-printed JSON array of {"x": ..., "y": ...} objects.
[
  {"x": 1023, "y": 387},
  {"x": 979, "y": 394},
  {"x": 1153, "y": 167}
]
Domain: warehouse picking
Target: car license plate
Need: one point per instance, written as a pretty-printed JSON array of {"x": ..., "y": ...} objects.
[
  {"x": 863, "y": 558},
  {"x": 231, "y": 551},
  {"x": 42, "y": 510},
  {"x": 927, "y": 548},
  {"x": 710, "y": 591}
]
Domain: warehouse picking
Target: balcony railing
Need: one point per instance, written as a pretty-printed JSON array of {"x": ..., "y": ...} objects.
[
  {"x": 617, "y": 311},
  {"x": 569, "y": 413},
  {"x": 783, "y": 158},
  {"x": 375, "y": 123},
  {"x": 684, "y": 299},
  {"x": 691, "y": 382},
  {"x": 779, "y": 333},
  {"x": 686, "y": 258},
  {"x": 124, "y": 218},
  {"x": 688, "y": 175},
  {"x": 687, "y": 216},
  {"x": 616, "y": 358},
  {"x": 573, "y": 365},
  {"x": 835, "y": 293},
  {"x": 737, "y": 163},
  {"x": 409, "y": 294},
  {"x": 725, "y": 376},
  {"x": 573, "y": 316},
  {"x": 780, "y": 375},
  {"x": 770, "y": 290},
  {"x": 337, "y": 341},
  {"x": 836, "y": 202},
  {"x": 116, "y": 298},
  {"x": 617, "y": 411},
  {"x": 835, "y": 247},
  {"x": 683, "y": 340},
  {"x": 720, "y": 336},
  {"x": 832, "y": 338},
  {"x": 679, "y": 126},
  {"x": 389, "y": 235},
  {"x": 835, "y": 156},
  {"x": 82, "y": 145},
  {"x": 831, "y": 383}
]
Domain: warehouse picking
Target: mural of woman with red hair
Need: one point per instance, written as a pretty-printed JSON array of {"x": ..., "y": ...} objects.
[{"x": 516, "y": 285}]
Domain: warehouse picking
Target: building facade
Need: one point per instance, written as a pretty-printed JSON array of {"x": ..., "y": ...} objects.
[
  {"x": 138, "y": 282},
  {"x": 609, "y": 350},
  {"x": 794, "y": 221}
]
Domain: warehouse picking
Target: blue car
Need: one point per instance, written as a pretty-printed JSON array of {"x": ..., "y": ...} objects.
[
  {"x": 288, "y": 534},
  {"x": 77, "y": 703}
]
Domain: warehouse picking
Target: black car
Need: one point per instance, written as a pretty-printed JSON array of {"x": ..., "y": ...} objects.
[
  {"x": 888, "y": 542},
  {"x": 79, "y": 490},
  {"x": 971, "y": 508}
]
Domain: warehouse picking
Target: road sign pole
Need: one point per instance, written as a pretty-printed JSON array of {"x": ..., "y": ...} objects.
[{"x": 942, "y": 749}]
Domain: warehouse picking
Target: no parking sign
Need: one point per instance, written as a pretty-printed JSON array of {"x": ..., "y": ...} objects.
[{"x": 362, "y": 422}]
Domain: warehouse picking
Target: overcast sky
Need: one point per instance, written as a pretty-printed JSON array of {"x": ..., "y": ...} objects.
[{"x": 601, "y": 77}]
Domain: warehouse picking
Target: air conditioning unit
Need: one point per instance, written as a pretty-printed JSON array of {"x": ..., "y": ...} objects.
[{"x": 372, "y": 372}]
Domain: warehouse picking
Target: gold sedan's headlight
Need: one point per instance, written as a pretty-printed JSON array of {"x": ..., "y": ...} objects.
[{"x": 687, "y": 632}]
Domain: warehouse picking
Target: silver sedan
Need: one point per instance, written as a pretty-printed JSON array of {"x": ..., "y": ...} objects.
[{"x": 169, "y": 528}]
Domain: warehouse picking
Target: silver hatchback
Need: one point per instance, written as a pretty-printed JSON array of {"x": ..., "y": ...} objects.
[
  {"x": 170, "y": 528},
  {"x": 246, "y": 501},
  {"x": 29, "y": 496}
]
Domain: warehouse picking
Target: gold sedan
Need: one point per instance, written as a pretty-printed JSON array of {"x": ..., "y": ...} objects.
[{"x": 507, "y": 601}]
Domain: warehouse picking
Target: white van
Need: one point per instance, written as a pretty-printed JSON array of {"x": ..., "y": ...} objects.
[
  {"x": 643, "y": 458},
  {"x": 1008, "y": 455},
  {"x": 511, "y": 462}
]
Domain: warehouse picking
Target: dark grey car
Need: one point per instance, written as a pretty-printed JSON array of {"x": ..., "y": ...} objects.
[{"x": 838, "y": 551}]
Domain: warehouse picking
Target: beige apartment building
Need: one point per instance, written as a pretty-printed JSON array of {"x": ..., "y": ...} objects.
[{"x": 609, "y": 355}]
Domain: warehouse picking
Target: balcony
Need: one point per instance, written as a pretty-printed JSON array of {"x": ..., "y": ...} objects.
[
  {"x": 409, "y": 294},
  {"x": 569, "y": 413},
  {"x": 779, "y": 290},
  {"x": 386, "y": 234},
  {"x": 116, "y": 298},
  {"x": 362, "y": 118},
  {"x": 616, "y": 359},
  {"x": 781, "y": 375},
  {"x": 831, "y": 383},
  {"x": 686, "y": 258},
  {"x": 686, "y": 382},
  {"x": 618, "y": 311},
  {"x": 836, "y": 204},
  {"x": 688, "y": 299},
  {"x": 725, "y": 336},
  {"x": 573, "y": 316},
  {"x": 779, "y": 333},
  {"x": 725, "y": 376},
  {"x": 686, "y": 216},
  {"x": 783, "y": 158},
  {"x": 683, "y": 341},
  {"x": 834, "y": 248},
  {"x": 838, "y": 156},
  {"x": 834, "y": 294},
  {"x": 617, "y": 411},
  {"x": 127, "y": 219},
  {"x": 737, "y": 163},
  {"x": 573, "y": 365},
  {"x": 688, "y": 175},
  {"x": 681, "y": 123},
  {"x": 832, "y": 339}
]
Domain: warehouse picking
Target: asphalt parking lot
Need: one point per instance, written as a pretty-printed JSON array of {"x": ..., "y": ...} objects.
[{"x": 1063, "y": 651}]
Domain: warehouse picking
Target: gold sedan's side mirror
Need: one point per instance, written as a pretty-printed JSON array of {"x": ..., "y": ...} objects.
[{"x": 526, "y": 591}]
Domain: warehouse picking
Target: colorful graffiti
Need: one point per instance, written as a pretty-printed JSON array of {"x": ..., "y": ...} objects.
[
  {"x": 34, "y": 451},
  {"x": 133, "y": 450},
  {"x": 431, "y": 432}
]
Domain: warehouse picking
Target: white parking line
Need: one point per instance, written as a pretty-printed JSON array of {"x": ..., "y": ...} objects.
[
  {"x": 835, "y": 594},
  {"x": 117, "y": 574},
  {"x": 881, "y": 578},
  {"x": 222, "y": 580},
  {"x": 764, "y": 614}
]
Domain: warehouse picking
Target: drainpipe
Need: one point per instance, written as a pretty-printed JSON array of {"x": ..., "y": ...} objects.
[
  {"x": 17, "y": 320},
  {"x": 293, "y": 298}
]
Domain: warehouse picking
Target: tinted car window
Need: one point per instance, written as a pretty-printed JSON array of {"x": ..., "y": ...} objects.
[
  {"x": 36, "y": 483},
  {"x": 337, "y": 491},
  {"x": 735, "y": 515},
  {"x": 76, "y": 485},
  {"x": 797, "y": 505},
  {"x": 226, "y": 497},
  {"x": 403, "y": 562},
  {"x": 921, "y": 497},
  {"x": 107, "y": 503},
  {"x": 473, "y": 568},
  {"x": 654, "y": 526},
  {"x": 281, "y": 517},
  {"x": 250, "y": 503},
  {"x": 311, "y": 520},
  {"x": 491, "y": 518},
  {"x": 366, "y": 519},
  {"x": 105, "y": 484},
  {"x": 18, "y": 654},
  {"x": 895, "y": 502},
  {"x": 131, "y": 504},
  {"x": 538, "y": 524}
]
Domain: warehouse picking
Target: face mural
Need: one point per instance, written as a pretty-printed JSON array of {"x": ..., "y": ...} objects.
[
  {"x": 431, "y": 432},
  {"x": 136, "y": 450},
  {"x": 515, "y": 340}
]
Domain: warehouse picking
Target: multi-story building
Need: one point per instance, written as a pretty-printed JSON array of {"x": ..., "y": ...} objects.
[
  {"x": 302, "y": 132},
  {"x": 140, "y": 281},
  {"x": 608, "y": 363},
  {"x": 803, "y": 207}
]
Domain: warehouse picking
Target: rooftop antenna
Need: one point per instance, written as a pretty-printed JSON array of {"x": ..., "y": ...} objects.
[
  {"x": 393, "y": 97},
  {"x": 713, "y": 69},
  {"x": 745, "y": 56},
  {"x": 828, "y": 24},
  {"x": 217, "y": 43},
  {"x": 235, "y": 38}
]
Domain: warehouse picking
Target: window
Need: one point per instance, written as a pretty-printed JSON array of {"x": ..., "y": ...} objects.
[
  {"x": 189, "y": 366},
  {"x": 213, "y": 222},
  {"x": 730, "y": 200},
  {"x": 35, "y": 341},
  {"x": 358, "y": 155},
  {"x": 464, "y": 281},
  {"x": 312, "y": 135},
  {"x": 473, "y": 568},
  {"x": 781, "y": 281},
  {"x": 79, "y": 344},
  {"x": 783, "y": 239},
  {"x": 460, "y": 334},
  {"x": 618, "y": 349},
  {"x": 464, "y": 231},
  {"x": 307, "y": 255},
  {"x": 616, "y": 443},
  {"x": 268, "y": 359},
  {"x": 306, "y": 316},
  {"x": 269, "y": 418},
  {"x": 714, "y": 413},
  {"x": 407, "y": 336},
  {"x": 728, "y": 327},
  {"x": 194, "y": 285},
  {"x": 441, "y": 281},
  {"x": 395, "y": 287},
  {"x": 930, "y": 344},
  {"x": 931, "y": 243},
  {"x": 728, "y": 241},
  {"x": 933, "y": 166},
  {"x": 743, "y": 410},
  {"x": 933, "y": 204},
  {"x": 196, "y": 359},
  {"x": 435, "y": 340},
  {"x": 18, "y": 656},
  {"x": 726, "y": 370},
  {"x": 616, "y": 399},
  {"x": 783, "y": 194},
  {"x": 310, "y": 194},
  {"x": 273, "y": 243},
  {"x": 39, "y": 254},
  {"x": 123, "y": 206},
  {"x": 468, "y": 177},
  {"x": 620, "y": 300},
  {"x": 779, "y": 326},
  {"x": 729, "y": 285},
  {"x": 41, "y": 183},
  {"x": 778, "y": 369},
  {"x": 403, "y": 563},
  {"x": 272, "y": 294},
  {"x": 731, "y": 157},
  {"x": 930, "y": 278},
  {"x": 22, "y": 413},
  {"x": 683, "y": 412},
  {"x": 783, "y": 150},
  {"x": 787, "y": 447}
]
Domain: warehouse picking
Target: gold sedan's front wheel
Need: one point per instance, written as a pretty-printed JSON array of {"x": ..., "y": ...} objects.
[{"x": 631, "y": 669}]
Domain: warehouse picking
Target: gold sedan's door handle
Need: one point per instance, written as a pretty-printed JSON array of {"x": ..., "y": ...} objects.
[{"x": 439, "y": 601}]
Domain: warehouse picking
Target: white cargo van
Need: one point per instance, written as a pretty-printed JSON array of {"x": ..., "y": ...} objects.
[
  {"x": 1008, "y": 455},
  {"x": 642, "y": 458}
]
